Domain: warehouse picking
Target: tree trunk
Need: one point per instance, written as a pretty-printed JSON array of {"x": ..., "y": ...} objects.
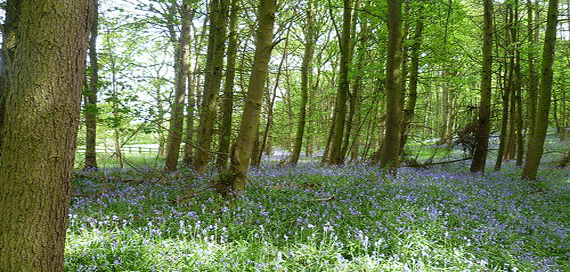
[
  {"x": 241, "y": 152},
  {"x": 193, "y": 99},
  {"x": 257, "y": 156},
  {"x": 228, "y": 96},
  {"x": 538, "y": 136},
  {"x": 335, "y": 153},
  {"x": 409, "y": 111},
  {"x": 91, "y": 96},
  {"x": 532, "y": 78},
  {"x": 305, "y": 70},
  {"x": 42, "y": 85},
  {"x": 212, "y": 81},
  {"x": 177, "y": 108},
  {"x": 391, "y": 143},
  {"x": 482, "y": 144}
]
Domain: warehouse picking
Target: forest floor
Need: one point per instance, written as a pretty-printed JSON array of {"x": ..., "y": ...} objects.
[{"x": 316, "y": 218}]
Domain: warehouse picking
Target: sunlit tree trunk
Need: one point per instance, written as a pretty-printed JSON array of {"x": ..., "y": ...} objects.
[
  {"x": 43, "y": 83},
  {"x": 482, "y": 144},
  {"x": 241, "y": 152},
  {"x": 538, "y": 136},
  {"x": 391, "y": 143}
]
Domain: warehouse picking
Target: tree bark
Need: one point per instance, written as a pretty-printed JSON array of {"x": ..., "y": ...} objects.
[
  {"x": 45, "y": 42},
  {"x": 482, "y": 144},
  {"x": 391, "y": 142},
  {"x": 193, "y": 98},
  {"x": 241, "y": 152},
  {"x": 177, "y": 108},
  {"x": 305, "y": 70},
  {"x": 212, "y": 81},
  {"x": 538, "y": 136},
  {"x": 409, "y": 111},
  {"x": 228, "y": 96},
  {"x": 335, "y": 153},
  {"x": 91, "y": 96},
  {"x": 532, "y": 78}
]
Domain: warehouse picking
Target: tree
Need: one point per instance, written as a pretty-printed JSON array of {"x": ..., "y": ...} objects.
[
  {"x": 482, "y": 140},
  {"x": 409, "y": 111},
  {"x": 91, "y": 96},
  {"x": 305, "y": 70},
  {"x": 181, "y": 79},
  {"x": 335, "y": 154},
  {"x": 242, "y": 149},
  {"x": 228, "y": 96},
  {"x": 538, "y": 135},
  {"x": 212, "y": 81},
  {"x": 45, "y": 72},
  {"x": 391, "y": 144}
]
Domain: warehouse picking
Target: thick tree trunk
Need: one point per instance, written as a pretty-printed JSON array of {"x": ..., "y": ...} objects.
[
  {"x": 538, "y": 136},
  {"x": 241, "y": 152},
  {"x": 177, "y": 108},
  {"x": 305, "y": 70},
  {"x": 91, "y": 96},
  {"x": 44, "y": 80},
  {"x": 228, "y": 96},
  {"x": 212, "y": 81},
  {"x": 391, "y": 143},
  {"x": 482, "y": 145}
]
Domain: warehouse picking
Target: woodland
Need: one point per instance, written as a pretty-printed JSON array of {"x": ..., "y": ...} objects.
[{"x": 313, "y": 135}]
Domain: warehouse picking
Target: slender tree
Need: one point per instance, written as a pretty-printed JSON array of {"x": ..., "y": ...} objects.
[
  {"x": 214, "y": 64},
  {"x": 43, "y": 81},
  {"x": 91, "y": 96},
  {"x": 228, "y": 96},
  {"x": 242, "y": 149},
  {"x": 409, "y": 110},
  {"x": 482, "y": 141},
  {"x": 532, "y": 78},
  {"x": 181, "y": 79},
  {"x": 305, "y": 71},
  {"x": 538, "y": 135},
  {"x": 391, "y": 143},
  {"x": 335, "y": 155}
]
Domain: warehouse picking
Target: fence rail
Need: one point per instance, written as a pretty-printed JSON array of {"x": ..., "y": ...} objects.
[{"x": 125, "y": 149}]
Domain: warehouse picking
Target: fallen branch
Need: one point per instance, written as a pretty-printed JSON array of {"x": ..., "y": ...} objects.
[{"x": 324, "y": 199}]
